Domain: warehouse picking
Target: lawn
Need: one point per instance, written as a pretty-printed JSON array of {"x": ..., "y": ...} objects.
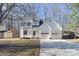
[
  {"x": 74, "y": 40},
  {"x": 19, "y": 47}
]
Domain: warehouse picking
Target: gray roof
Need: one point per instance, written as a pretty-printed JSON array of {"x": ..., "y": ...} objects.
[{"x": 40, "y": 22}]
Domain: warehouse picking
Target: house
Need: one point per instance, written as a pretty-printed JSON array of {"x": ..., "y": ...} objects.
[
  {"x": 40, "y": 29},
  {"x": 29, "y": 28},
  {"x": 45, "y": 30},
  {"x": 56, "y": 29},
  {"x": 4, "y": 33},
  {"x": 2, "y": 30},
  {"x": 12, "y": 32}
]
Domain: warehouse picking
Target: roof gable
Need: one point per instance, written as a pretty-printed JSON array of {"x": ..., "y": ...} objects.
[
  {"x": 45, "y": 27},
  {"x": 54, "y": 25}
]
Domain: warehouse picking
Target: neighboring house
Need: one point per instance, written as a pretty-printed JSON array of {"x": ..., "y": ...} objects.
[
  {"x": 68, "y": 33},
  {"x": 40, "y": 29},
  {"x": 2, "y": 30},
  {"x": 15, "y": 32},
  {"x": 77, "y": 30},
  {"x": 6, "y": 33}
]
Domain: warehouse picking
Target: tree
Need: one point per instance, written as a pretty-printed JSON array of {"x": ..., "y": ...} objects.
[
  {"x": 4, "y": 9},
  {"x": 29, "y": 9},
  {"x": 45, "y": 11},
  {"x": 72, "y": 16}
]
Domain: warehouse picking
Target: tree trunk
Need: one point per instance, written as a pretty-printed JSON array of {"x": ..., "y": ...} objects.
[{"x": 18, "y": 27}]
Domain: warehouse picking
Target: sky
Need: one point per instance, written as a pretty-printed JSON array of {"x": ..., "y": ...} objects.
[{"x": 61, "y": 6}]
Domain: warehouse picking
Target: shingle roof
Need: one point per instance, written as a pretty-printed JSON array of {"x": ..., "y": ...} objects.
[{"x": 40, "y": 23}]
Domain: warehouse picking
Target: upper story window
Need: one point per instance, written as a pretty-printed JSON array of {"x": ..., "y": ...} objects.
[
  {"x": 28, "y": 24},
  {"x": 23, "y": 24}
]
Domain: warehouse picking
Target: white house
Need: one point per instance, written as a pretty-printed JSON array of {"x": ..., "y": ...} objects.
[
  {"x": 51, "y": 29},
  {"x": 56, "y": 30},
  {"x": 46, "y": 30},
  {"x": 26, "y": 28}
]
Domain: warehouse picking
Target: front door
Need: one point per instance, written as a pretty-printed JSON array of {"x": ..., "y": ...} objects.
[{"x": 34, "y": 33}]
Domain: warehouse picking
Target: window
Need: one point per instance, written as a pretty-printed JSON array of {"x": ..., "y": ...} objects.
[
  {"x": 54, "y": 33},
  {"x": 23, "y": 24},
  {"x": 44, "y": 33},
  {"x": 28, "y": 24},
  {"x": 34, "y": 32},
  {"x": 25, "y": 32}
]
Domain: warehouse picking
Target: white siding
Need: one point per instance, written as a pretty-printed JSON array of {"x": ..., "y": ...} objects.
[
  {"x": 21, "y": 32},
  {"x": 45, "y": 31}
]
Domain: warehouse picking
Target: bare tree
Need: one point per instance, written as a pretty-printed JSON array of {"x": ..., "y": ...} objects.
[
  {"x": 45, "y": 11},
  {"x": 29, "y": 9},
  {"x": 4, "y": 9}
]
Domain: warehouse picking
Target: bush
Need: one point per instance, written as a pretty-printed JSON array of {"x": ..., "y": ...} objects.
[{"x": 71, "y": 35}]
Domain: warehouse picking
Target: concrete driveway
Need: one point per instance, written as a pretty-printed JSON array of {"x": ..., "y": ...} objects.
[{"x": 58, "y": 48}]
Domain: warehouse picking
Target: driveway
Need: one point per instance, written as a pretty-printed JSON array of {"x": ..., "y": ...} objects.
[{"x": 58, "y": 47}]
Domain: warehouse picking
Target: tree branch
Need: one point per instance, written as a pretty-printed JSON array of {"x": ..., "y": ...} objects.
[{"x": 4, "y": 15}]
